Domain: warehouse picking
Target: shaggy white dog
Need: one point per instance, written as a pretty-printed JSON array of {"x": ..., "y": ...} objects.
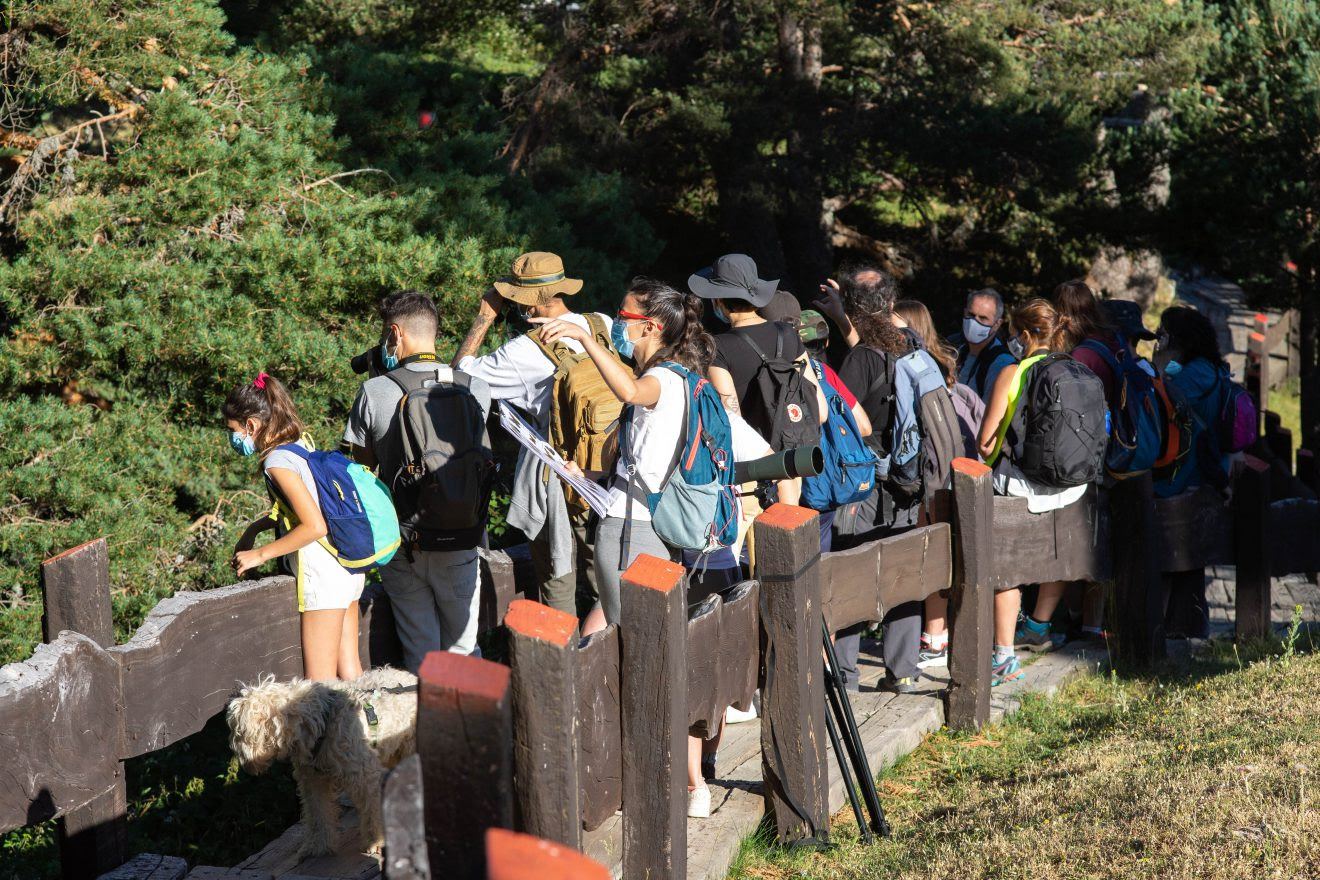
[{"x": 339, "y": 736}]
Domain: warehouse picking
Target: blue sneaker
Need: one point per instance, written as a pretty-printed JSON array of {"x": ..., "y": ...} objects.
[{"x": 1009, "y": 670}]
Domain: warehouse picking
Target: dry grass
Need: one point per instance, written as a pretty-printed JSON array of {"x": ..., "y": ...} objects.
[{"x": 1212, "y": 775}]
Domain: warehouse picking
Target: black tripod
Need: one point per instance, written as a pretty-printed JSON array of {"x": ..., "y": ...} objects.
[{"x": 840, "y": 717}]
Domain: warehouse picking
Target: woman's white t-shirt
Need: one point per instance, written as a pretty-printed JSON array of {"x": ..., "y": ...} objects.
[
  {"x": 654, "y": 436},
  {"x": 322, "y": 582}
]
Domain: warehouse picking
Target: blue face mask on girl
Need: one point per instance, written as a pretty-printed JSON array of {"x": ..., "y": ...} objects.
[
  {"x": 619, "y": 336},
  {"x": 242, "y": 443}
]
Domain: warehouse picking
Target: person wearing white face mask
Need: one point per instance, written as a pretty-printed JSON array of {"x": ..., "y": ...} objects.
[{"x": 982, "y": 355}]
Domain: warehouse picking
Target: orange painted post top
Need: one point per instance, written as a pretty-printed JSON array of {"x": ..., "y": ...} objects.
[
  {"x": 786, "y": 516},
  {"x": 1262, "y": 318},
  {"x": 447, "y": 677},
  {"x": 74, "y": 550},
  {"x": 514, "y": 856},
  {"x": 1257, "y": 336},
  {"x": 540, "y": 621},
  {"x": 969, "y": 467},
  {"x": 653, "y": 573}
]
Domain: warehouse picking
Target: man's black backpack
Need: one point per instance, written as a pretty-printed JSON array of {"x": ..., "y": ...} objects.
[
  {"x": 442, "y": 489},
  {"x": 781, "y": 401},
  {"x": 1060, "y": 428}
]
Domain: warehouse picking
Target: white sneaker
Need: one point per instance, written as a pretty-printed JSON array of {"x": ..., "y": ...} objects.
[
  {"x": 738, "y": 716},
  {"x": 699, "y": 803}
]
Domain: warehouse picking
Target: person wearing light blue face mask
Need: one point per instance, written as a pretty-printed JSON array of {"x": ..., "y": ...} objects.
[
  {"x": 262, "y": 420},
  {"x": 982, "y": 355}
]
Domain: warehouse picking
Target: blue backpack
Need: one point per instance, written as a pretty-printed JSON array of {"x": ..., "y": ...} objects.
[
  {"x": 362, "y": 529},
  {"x": 849, "y": 472},
  {"x": 1136, "y": 429},
  {"x": 698, "y": 507}
]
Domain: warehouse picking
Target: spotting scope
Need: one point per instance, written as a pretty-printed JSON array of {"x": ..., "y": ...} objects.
[{"x": 803, "y": 461}]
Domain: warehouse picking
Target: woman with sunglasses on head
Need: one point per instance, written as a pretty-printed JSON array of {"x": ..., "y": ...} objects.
[{"x": 655, "y": 324}]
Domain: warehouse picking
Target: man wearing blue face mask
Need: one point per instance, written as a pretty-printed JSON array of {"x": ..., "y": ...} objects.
[
  {"x": 526, "y": 373},
  {"x": 982, "y": 355}
]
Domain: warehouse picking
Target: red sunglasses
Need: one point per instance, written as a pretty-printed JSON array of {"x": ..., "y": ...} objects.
[{"x": 629, "y": 316}]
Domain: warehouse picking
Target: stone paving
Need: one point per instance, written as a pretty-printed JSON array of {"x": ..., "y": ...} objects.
[{"x": 1286, "y": 593}]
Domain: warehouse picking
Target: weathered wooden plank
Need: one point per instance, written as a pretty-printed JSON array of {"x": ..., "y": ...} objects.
[
  {"x": 543, "y": 654},
  {"x": 282, "y": 856},
  {"x": 58, "y": 723},
  {"x": 1070, "y": 544},
  {"x": 739, "y": 645},
  {"x": 149, "y": 866},
  {"x": 464, "y": 736},
  {"x": 204, "y": 644},
  {"x": 212, "y": 872},
  {"x": 1294, "y": 533},
  {"x": 378, "y": 636},
  {"x": 76, "y": 594},
  {"x": 76, "y": 597},
  {"x": 915, "y": 564},
  {"x": 703, "y": 662},
  {"x": 653, "y": 674},
  {"x": 405, "y": 823},
  {"x": 1306, "y": 469},
  {"x": 792, "y": 684},
  {"x": 971, "y": 601},
  {"x": 861, "y": 583},
  {"x": 1192, "y": 530},
  {"x": 505, "y": 575},
  {"x": 513, "y": 856},
  {"x": 1251, "y": 522},
  {"x": 1138, "y": 601},
  {"x": 600, "y": 751}
]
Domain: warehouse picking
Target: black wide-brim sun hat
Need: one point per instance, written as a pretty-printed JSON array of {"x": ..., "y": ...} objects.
[{"x": 733, "y": 277}]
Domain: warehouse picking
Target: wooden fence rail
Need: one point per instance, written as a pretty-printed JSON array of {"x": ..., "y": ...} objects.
[{"x": 600, "y": 724}]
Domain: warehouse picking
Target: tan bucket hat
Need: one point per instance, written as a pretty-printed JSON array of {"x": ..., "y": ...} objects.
[{"x": 537, "y": 277}]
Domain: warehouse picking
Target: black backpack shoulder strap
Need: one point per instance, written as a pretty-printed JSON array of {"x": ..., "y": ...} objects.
[
  {"x": 986, "y": 358},
  {"x": 779, "y": 339},
  {"x": 751, "y": 343}
]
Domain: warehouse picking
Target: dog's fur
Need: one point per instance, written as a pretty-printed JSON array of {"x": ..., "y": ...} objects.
[{"x": 284, "y": 721}]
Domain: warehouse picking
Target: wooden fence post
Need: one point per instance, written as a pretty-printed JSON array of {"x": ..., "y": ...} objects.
[
  {"x": 1251, "y": 507},
  {"x": 543, "y": 651},
  {"x": 1138, "y": 596},
  {"x": 972, "y": 599},
  {"x": 464, "y": 737},
  {"x": 405, "y": 823},
  {"x": 1307, "y": 471},
  {"x": 76, "y": 595},
  {"x": 514, "y": 856},
  {"x": 1278, "y": 440},
  {"x": 653, "y": 706},
  {"x": 793, "y": 757}
]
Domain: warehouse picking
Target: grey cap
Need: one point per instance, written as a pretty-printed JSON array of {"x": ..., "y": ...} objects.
[
  {"x": 1127, "y": 317},
  {"x": 733, "y": 277}
]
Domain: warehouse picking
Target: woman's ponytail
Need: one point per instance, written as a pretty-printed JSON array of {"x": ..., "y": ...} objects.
[{"x": 683, "y": 340}]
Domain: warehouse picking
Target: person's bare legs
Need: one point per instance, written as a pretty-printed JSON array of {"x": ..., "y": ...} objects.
[
  {"x": 350, "y": 658},
  {"x": 321, "y": 633},
  {"x": 1007, "y": 605},
  {"x": 694, "y": 763},
  {"x": 594, "y": 622},
  {"x": 710, "y": 746},
  {"x": 937, "y": 609},
  {"x": 1047, "y": 600}
]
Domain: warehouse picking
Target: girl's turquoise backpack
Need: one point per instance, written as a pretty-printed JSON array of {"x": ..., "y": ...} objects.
[{"x": 362, "y": 529}]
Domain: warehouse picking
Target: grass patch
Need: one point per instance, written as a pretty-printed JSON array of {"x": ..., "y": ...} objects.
[
  {"x": 1206, "y": 772},
  {"x": 189, "y": 800}
]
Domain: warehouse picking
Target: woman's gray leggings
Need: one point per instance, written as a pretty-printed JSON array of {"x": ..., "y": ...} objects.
[{"x": 609, "y": 540}]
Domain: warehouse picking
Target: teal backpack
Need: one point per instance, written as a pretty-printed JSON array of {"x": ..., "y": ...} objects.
[{"x": 362, "y": 529}]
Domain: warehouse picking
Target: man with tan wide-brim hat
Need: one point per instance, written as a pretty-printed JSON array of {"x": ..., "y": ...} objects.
[{"x": 520, "y": 372}]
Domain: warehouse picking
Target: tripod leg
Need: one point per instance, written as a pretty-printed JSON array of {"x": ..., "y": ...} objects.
[
  {"x": 854, "y": 740},
  {"x": 847, "y": 778}
]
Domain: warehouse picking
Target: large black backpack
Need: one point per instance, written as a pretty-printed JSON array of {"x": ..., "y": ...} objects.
[
  {"x": 781, "y": 401},
  {"x": 442, "y": 489},
  {"x": 1060, "y": 428}
]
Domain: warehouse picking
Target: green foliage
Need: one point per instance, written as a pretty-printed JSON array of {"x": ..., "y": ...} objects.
[{"x": 246, "y": 212}]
